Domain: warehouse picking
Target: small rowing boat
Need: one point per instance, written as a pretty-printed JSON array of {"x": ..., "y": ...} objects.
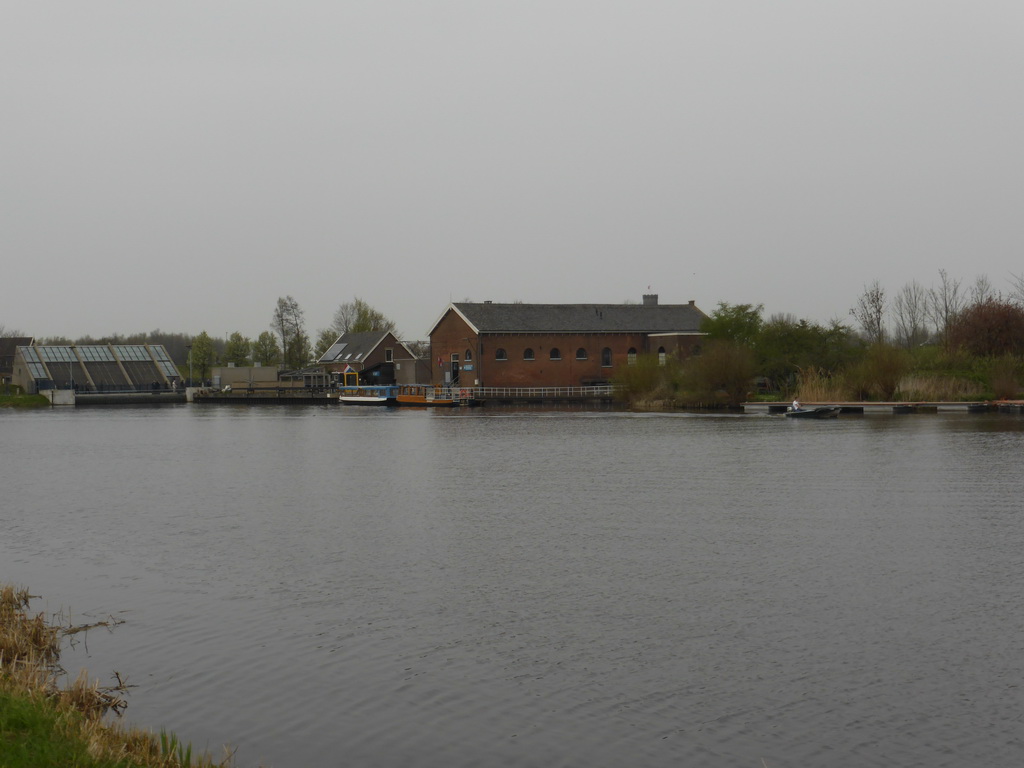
[{"x": 821, "y": 412}]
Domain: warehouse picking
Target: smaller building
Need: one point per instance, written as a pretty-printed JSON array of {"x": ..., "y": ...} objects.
[
  {"x": 244, "y": 377},
  {"x": 373, "y": 358}
]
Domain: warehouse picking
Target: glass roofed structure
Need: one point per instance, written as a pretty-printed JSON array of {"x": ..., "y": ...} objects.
[{"x": 95, "y": 368}]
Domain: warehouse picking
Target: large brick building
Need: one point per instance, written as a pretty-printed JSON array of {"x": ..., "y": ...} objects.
[{"x": 555, "y": 345}]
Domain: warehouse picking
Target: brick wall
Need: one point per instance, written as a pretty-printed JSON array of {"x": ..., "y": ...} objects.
[{"x": 569, "y": 368}]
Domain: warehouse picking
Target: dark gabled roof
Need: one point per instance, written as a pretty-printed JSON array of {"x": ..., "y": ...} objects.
[
  {"x": 581, "y": 318},
  {"x": 8, "y": 344},
  {"x": 355, "y": 347},
  {"x": 352, "y": 347}
]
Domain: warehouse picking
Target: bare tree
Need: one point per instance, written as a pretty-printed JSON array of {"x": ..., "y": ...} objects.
[
  {"x": 910, "y": 313},
  {"x": 419, "y": 349},
  {"x": 357, "y": 316},
  {"x": 944, "y": 303},
  {"x": 1017, "y": 294},
  {"x": 344, "y": 317},
  {"x": 324, "y": 340},
  {"x": 289, "y": 324},
  {"x": 982, "y": 291},
  {"x": 869, "y": 312}
]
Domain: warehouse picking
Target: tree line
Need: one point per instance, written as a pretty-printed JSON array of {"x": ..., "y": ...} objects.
[
  {"x": 948, "y": 341},
  {"x": 286, "y": 343}
]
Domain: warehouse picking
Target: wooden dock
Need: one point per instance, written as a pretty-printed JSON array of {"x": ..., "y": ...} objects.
[
  {"x": 896, "y": 407},
  {"x": 266, "y": 396},
  {"x": 476, "y": 395}
]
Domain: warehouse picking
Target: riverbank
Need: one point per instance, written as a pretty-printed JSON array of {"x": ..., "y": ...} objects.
[
  {"x": 46, "y": 721},
  {"x": 23, "y": 401}
]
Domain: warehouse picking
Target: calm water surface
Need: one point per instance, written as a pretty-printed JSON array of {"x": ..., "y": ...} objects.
[{"x": 361, "y": 587}]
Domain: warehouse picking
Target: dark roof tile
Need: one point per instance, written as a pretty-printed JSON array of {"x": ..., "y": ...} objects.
[{"x": 582, "y": 318}]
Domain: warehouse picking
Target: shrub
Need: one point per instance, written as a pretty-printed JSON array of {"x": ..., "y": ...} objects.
[
  {"x": 989, "y": 328},
  {"x": 723, "y": 373},
  {"x": 647, "y": 382},
  {"x": 879, "y": 373}
]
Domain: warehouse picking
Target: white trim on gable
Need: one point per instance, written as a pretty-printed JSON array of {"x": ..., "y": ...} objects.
[{"x": 452, "y": 308}]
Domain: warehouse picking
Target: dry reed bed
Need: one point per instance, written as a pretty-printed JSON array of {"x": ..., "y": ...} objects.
[
  {"x": 819, "y": 387},
  {"x": 30, "y": 666}
]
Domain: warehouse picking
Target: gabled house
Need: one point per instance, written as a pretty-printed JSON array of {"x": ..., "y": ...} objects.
[
  {"x": 373, "y": 358},
  {"x": 556, "y": 345}
]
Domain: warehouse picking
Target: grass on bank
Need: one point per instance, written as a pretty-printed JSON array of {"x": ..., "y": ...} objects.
[
  {"x": 23, "y": 401},
  {"x": 44, "y": 724}
]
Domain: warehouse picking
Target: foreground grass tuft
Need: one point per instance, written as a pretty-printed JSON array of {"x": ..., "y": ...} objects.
[{"x": 44, "y": 724}]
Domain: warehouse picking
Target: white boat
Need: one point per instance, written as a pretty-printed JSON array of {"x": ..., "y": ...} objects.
[
  {"x": 367, "y": 395},
  {"x": 362, "y": 400}
]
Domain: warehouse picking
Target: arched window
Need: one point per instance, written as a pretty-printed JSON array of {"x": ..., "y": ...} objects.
[
  {"x": 555, "y": 354},
  {"x": 631, "y": 356},
  {"x": 606, "y": 357},
  {"x": 661, "y": 355},
  {"x": 469, "y": 356},
  {"x": 527, "y": 354},
  {"x": 581, "y": 354},
  {"x": 499, "y": 354}
]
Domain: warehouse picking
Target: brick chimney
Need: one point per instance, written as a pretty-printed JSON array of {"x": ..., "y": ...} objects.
[{"x": 650, "y": 299}]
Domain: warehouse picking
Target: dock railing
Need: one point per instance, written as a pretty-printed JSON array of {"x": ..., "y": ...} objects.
[{"x": 605, "y": 392}]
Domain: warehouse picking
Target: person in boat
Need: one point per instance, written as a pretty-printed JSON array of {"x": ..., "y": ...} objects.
[{"x": 796, "y": 404}]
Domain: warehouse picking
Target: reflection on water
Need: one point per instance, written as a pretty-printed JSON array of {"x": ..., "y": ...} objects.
[{"x": 330, "y": 586}]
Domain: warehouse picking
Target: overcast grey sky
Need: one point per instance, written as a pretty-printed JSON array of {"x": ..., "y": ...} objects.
[{"x": 182, "y": 165}]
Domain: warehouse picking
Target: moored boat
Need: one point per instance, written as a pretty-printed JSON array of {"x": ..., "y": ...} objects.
[
  {"x": 367, "y": 395},
  {"x": 435, "y": 397},
  {"x": 820, "y": 412}
]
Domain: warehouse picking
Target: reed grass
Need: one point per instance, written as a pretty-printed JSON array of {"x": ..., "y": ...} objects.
[
  {"x": 23, "y": 636},
  {"x": 1004, "y": 376},
  {"x": 815, "y": 386},
  {"x": 46, "y": 723},
  {"x": 941, "y": 388}
]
